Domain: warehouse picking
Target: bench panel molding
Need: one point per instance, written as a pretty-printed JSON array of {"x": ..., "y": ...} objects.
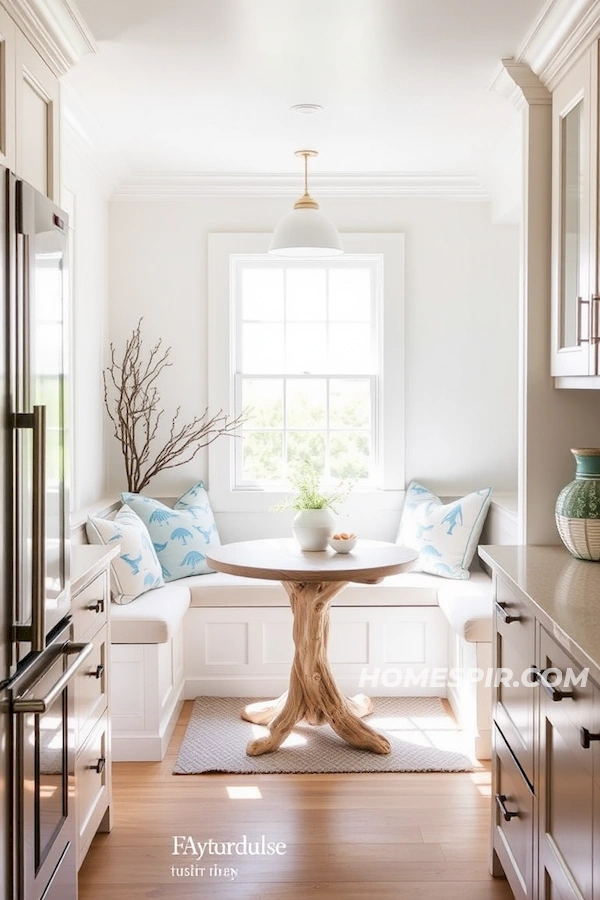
[{"x": 360, "y": 637}]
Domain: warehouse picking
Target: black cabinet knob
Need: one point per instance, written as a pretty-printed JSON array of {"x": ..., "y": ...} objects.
[
  {"x": 587, "y": 737},
  {"x": 98, "y": 672},
  {"x": 99, "y": 767}
]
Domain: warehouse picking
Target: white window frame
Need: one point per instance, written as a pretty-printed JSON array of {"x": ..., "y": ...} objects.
[{"x": 222, "y": 251}]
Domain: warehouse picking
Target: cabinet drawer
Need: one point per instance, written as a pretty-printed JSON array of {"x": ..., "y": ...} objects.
[
  {"x": 514, "y": 697},
  {"x": 90, "y": 606},
  {"x": 91, "y": 687},
  {"x": 566, "y": 776},
  {"x": 513, "y": 820},
  {"x": 92, "y": 774}
]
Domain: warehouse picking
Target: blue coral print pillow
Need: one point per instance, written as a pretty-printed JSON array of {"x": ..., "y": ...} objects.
[
  {"x": 181, "y": 535},
  {"x": 446, "y": 535},
  {"x": 136, "y": 569}
]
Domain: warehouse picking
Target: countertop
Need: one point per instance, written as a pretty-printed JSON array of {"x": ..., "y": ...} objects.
[
  {"x": 87, "y": 560},
  {"x": 563, "y": 593}
]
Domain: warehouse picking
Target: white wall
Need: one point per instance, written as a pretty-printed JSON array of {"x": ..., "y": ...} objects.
[
  {"x": 461, "y": 321},
  {"x": 85, "y": 196}
]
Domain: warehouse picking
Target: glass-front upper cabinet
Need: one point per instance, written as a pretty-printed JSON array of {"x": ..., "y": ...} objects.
[{"x": 575, "y": 304}]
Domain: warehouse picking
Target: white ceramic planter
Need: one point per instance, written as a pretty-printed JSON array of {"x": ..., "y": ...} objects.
[{"x": 313, "y": 527}]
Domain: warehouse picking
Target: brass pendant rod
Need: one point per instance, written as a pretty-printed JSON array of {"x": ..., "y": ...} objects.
[{"x": 306, "y": 201}]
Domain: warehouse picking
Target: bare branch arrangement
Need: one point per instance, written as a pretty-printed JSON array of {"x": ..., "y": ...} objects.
[{"x": 133, "y": 403}]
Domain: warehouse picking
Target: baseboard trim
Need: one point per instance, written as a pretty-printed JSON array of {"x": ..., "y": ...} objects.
[
  {"x": 480, "y": 740},
  {"x": 148, "y": 746}
]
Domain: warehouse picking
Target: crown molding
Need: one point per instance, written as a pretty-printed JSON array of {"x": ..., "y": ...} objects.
[
  {"x": 56, "y": 28},
  {"x": 181, "y": 187},
  {"x": 563, "y": 30},
  {"x": 516, "y": 82}
]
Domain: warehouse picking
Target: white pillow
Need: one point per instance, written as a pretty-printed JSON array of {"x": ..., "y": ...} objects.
[
  {"x": 136, "y": 569},
  {"x": 446, "y": 535}
]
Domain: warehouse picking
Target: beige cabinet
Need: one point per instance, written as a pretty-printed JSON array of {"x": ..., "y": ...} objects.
[
  {"x": 514, "y": 730},
  {"x": 37, "y": 120},
  {"x": 568, "y": 730},
  {"x": 29, "y": 111},
  {"x": 546, "y": 756},
  {"x": 513, "y": 820},
  {"x": 8, "y": 39},
  {"x": 593, "y": 739},
  {"x": 514, "y": 651},
  {"x": 90, "y": 601},
  {"x": 575, "y": 298}
]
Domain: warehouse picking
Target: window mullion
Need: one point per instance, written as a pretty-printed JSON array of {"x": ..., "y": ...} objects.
[{"x": 284, "y": 441}]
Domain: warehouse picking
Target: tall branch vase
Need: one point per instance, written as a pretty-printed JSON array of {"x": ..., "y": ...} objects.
[{"x": 578, "y": 507}]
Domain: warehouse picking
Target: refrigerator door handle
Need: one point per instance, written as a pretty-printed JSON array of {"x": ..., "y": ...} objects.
[
  {"x": 38, "y": 612},
  {"x": 36, "y": 633},
  {"x": 28, "y": 704}
]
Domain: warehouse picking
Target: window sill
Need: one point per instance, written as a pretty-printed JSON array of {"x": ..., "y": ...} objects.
[{"x": 263, "y": 501}]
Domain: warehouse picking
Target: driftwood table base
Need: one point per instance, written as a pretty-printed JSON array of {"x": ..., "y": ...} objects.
[{"x": 313, "y": 694}]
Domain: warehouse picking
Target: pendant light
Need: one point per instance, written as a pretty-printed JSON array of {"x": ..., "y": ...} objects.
[{"x": 306, "y": 231}]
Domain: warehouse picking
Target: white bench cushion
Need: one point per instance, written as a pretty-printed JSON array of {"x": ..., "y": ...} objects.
[
  {"x": 467, "y": 606},
  {"x": 219, "y": 589},
  {"x": 155, "y": 616},
  {"x": 152, "y": 618}
]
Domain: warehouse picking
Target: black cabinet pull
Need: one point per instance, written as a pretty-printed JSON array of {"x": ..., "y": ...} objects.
[
  {"x": 587, "y": 737},
  {"x": 507, "y": 815},
  {"x": 99, "y": 767},
  {"x": 97, "y": 607},
  {"x": 555, "y": 693},
  {"x": 98, "y": 672},
  {"x": 506, "y": 617}
]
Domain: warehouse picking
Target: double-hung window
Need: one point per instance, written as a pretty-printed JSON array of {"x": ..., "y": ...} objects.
[{"x": 312, "y": 351}]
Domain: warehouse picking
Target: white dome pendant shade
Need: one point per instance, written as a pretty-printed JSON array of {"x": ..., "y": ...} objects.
[{"x": 306, "y": 231}]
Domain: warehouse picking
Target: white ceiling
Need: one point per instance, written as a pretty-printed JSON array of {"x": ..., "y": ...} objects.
[{"x": 205, "y": 86}]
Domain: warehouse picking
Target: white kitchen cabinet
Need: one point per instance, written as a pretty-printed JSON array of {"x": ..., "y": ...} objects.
[
  {"x": 575, "y": 298},
  {"x": 29, "y": 110},
  {"x": 8, "y": 38},
  {"x": 37, "y": 120}
]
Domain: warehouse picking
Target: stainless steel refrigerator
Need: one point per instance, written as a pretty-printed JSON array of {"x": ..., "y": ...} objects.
[{"x": 37, "y": 657}]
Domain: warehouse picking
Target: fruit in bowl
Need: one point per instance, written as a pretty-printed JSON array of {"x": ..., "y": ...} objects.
[{"x": 343, "y": 542}]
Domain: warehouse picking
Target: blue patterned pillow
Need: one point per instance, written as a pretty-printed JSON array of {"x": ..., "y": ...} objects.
[
  {"x": 137, "y": 569},
  {"x": 446, "y": 535},
  {"x": 182, "y": 534}
]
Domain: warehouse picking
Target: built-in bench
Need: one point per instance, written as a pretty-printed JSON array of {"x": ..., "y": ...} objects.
[
  {"x": 228, "y": 636},
  {"x": 223, "y": 635}
]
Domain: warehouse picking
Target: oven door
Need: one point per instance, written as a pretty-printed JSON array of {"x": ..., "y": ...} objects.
[{"x": 44, "y": 761}]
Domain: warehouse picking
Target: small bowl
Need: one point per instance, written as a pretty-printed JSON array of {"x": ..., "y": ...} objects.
[{"x": 342, "y": 546}]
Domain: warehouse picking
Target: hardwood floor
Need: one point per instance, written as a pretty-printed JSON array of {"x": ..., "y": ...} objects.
[{"x": 349, "y": 837}]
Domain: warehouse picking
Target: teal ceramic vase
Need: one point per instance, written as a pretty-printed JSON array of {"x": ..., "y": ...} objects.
[{"x": 578, "y": 507}]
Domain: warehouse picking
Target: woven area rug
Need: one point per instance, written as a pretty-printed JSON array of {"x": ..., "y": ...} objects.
[{"x": 424, "y": 738}]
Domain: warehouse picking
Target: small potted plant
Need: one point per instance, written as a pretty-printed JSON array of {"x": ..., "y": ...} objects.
[{"x": 314, "y": 523}]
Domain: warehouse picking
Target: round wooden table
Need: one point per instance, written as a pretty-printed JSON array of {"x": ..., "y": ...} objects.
[{"x": 311, "y": 581}]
